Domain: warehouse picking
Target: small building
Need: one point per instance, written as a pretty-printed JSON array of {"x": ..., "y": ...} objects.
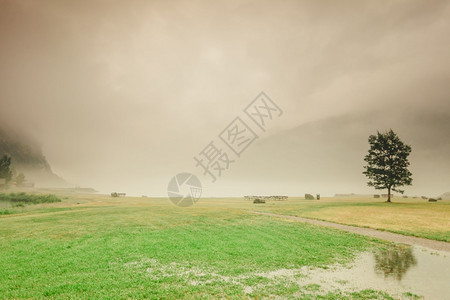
[
  {"x": 28, "y": 184},
  {"x": 115, "y": 194}
]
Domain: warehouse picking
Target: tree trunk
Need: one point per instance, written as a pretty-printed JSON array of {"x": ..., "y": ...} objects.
[{"x": 389, "y": 194}]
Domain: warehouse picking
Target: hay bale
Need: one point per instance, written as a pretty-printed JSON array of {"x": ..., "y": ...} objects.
[
  {"x": 259, "y": 200},
  {"x": 309, "y": 197}
]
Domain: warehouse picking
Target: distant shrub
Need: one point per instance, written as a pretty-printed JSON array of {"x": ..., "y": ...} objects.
[
  {"x": 309, "y": 197},
  {"x": 405, "y": 196},
  {"x": 114, "y": 195},
  {"x": 23, "y": 198},
  {"x": 5, "y": 212},
  {"x": 440, "y": 198},
  {"x": 376, "y": 196},
  {"x": 425, "y": 198},
  {"x": 259, "y": 200},
  {"x": 432, "y": 200}
]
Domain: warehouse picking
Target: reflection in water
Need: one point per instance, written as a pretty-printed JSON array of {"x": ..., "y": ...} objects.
[
  {"x": 394, "y": 261},
  {"x": 396, "y": 271}
]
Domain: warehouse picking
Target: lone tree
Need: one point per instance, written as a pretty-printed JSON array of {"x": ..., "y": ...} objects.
[
  {"x": 5, "y": 169},
  {"x": 387, "y": 162}
]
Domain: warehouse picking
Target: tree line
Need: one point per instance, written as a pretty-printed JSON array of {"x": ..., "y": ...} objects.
[{"x": 7, "y": 172}]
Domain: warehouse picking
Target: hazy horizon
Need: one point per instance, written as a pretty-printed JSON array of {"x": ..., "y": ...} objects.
[{"x": 122, "y": 95}]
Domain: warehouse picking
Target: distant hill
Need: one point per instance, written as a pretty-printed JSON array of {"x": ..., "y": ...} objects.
[
  {"x": 27, "y": 157},
  {"x": 327, "y": 155}
]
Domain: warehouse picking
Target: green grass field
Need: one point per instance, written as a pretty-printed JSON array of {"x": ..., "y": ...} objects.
[
  {"x": 416, "y": 217},
  {"x": 99, "y": 247}
]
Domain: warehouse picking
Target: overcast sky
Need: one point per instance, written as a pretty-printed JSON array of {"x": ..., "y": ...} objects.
[{"x": 122, "y": 94}]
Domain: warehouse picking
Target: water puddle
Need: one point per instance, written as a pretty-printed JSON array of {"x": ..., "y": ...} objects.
[
  {"x": 397, "y": 270},
  {"x": 400, "y": 271}
]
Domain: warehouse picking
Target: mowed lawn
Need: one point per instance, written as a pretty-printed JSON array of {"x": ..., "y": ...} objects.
[
  {"x": 416, "y": 217},
  {"x": 99, "y": 247}
]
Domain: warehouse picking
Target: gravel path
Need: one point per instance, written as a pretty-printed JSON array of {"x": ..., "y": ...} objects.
[{"x": 384, "y": 235}]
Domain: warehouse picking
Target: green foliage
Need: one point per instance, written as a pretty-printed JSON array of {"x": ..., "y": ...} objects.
[
  {"x": 259, "y": 200},
  {"x": 369, "y": 294},
  {"x": 387, "y": 162},
  {"x": 23, "y": 198},
  {"x": 23, "y": 150},
  {"x": 409, "y": 295},
  {"x": 20, "y": 179},
  {"x": 309, "y": 197},
  {"x": 5, "y": 168}
]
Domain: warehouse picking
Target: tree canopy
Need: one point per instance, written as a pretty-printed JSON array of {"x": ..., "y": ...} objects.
[
  {"x": 387, "y": 162},
  {"x": 5, "y": 168}
]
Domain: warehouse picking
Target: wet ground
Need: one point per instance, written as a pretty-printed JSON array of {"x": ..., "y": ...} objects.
[{"x": 397, "y": 270}]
